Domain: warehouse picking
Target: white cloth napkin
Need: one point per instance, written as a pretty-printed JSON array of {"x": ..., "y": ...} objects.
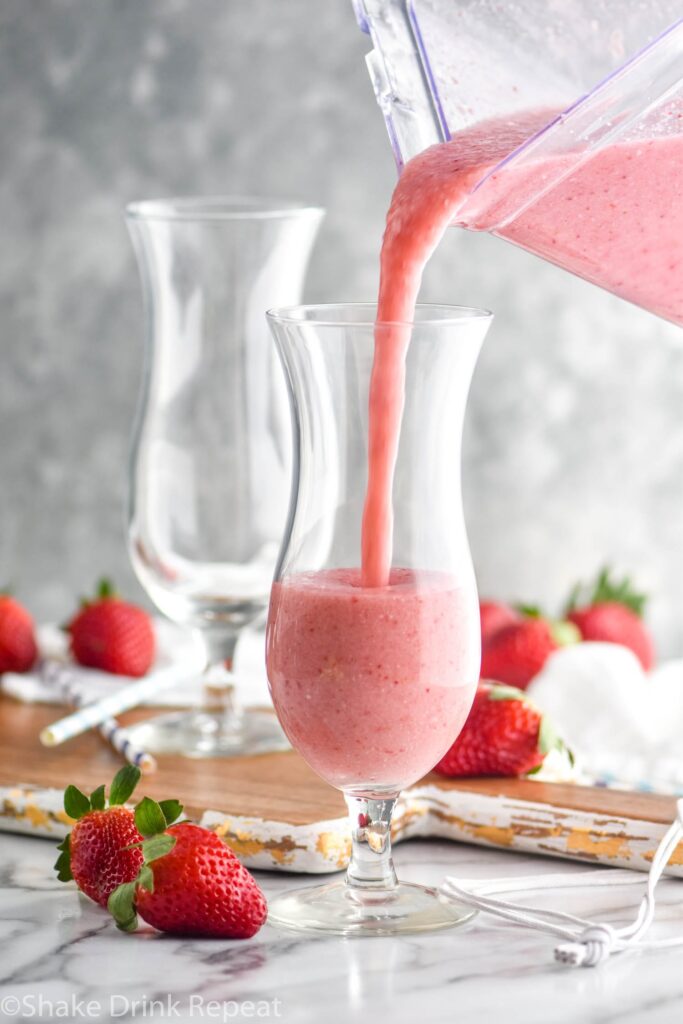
[
  {"x": 176, "y": 648},
  {"x": 626, "y": 725}
]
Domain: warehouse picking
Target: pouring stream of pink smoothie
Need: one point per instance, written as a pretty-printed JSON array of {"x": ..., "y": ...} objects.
[
  {"x": 430, "y": 191},
  {"x": 616, "y": 220}
]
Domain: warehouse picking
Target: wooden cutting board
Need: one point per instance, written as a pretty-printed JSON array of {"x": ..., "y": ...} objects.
[{"x": 276, "y": 813}]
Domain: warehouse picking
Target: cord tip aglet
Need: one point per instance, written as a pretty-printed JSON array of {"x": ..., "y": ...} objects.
[
  {"x": 593, "y": 946},
  {"x": 571, "y": 953}
]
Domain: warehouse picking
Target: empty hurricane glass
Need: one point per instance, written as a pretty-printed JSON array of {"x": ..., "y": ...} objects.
[
  {"x": 373, "y": 683},
  {"x": 210, "y": 467}
]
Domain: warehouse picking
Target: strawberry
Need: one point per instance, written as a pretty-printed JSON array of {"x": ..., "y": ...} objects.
[
  {"x": 191, "y": 883},
  {"x": 613, "y": 614},
  {"x": 112, "y": 635},
  {"x": 98, "y": 854},
  {"x": 505, "y": 734},
  {"x": 18, "y": 650},
  {"x": 518, "y": 652},
  {"x": 494, "y": 615}
]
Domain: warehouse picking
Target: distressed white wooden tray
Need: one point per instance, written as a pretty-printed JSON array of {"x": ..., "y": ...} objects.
[{"x": 276, "y": 813}]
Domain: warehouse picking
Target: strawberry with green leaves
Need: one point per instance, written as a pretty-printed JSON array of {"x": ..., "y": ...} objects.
[
  {"x": 505, "y": 735},
  {"x": 112, "y": 635},
  {"x": 99, "y": 853},
  {"x": 179, "y": 878},
  {"x": 613, "y": 613},
  {"x": 190, "y": 883}
]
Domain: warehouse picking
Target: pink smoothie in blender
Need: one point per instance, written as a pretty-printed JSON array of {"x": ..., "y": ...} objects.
[
  {"x": 612, "y": 221},
  {"x": 614, "y": 218}
]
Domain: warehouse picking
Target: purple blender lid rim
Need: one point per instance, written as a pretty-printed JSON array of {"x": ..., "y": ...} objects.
[
  {"x": 564, "y": 114},
  {"x": 361, "y": 16},
  {"x": 427, "y": 69}
]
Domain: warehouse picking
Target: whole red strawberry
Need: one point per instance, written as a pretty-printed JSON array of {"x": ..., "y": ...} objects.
[
  {"x": 190, "y": 884},
  {"x": 504, "y": 735},
  {"x": 613, "y": 614},
  {"x": 95, "y": 853},
  {"x": 517, "y": 652},
  {"x": 494, "y": 615},
  {"x": 18, "y": 650},
  {"x": 113, "y": 635}
]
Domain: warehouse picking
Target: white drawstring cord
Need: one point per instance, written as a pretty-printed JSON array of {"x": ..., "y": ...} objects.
[{"x": 589, "y": 942}]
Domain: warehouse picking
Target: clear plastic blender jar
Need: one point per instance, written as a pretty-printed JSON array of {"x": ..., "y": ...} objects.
[{"x": 597, "y": 186}]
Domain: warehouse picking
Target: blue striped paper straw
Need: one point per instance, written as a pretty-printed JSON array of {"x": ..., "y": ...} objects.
[
  {"x": 55, "y": 674},
  {"x": 90, "y": 715}
]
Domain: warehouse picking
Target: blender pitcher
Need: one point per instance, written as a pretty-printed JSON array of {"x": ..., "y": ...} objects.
[{"x": 590, "y": 94}]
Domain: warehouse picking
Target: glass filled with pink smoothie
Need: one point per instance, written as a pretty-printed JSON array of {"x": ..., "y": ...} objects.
[{"x": 373, "y": 631}]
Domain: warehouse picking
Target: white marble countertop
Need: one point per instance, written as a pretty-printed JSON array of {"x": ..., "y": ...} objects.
[{"x": 56, "y": 946}]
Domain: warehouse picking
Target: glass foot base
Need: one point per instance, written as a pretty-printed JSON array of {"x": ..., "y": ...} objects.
[
  {"x": 336, "y": 909},
  {"x": 200, "y": 734}
]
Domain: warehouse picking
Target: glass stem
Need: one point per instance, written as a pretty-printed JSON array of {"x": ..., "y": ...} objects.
[
  {"x": 371, "y": 866},
  {"x": 219, "y": 689}
]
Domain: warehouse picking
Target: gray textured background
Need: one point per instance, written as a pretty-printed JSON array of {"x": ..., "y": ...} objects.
[{"x": 574, "y": 447}]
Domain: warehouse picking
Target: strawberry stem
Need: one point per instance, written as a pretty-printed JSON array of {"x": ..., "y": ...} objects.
[
  {"x": 63, "y": 862},
  {"x": 121, "y": 903},
  {"x": 171, "y": 810},
  {"x": 548, "y": 737},
  {"x": 157, "y": 846},
  {"x": 76, "y": 804},
  {"x": 501, "y": 692},
  {"x": 97, "y": 799},
  {"x": 530, "y": 611},
  {"x": 607, "y": 589},
  {"x": 123, "y": 786},
  {"x": 106, "y": 589},
  {"x": 565, "y": 633},
  {"x": 121, "y": 906},
  {"x": 149, "y": 817}
]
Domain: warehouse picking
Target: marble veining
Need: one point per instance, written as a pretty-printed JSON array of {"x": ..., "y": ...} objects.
[{"x": 56, "y": 945}]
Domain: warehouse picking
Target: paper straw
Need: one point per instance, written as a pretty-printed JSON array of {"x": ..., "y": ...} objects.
[
  {"x": 100, "y": 711},
  {"x": 111, "y": 730},
  {"x": 119, "y": 737}
]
